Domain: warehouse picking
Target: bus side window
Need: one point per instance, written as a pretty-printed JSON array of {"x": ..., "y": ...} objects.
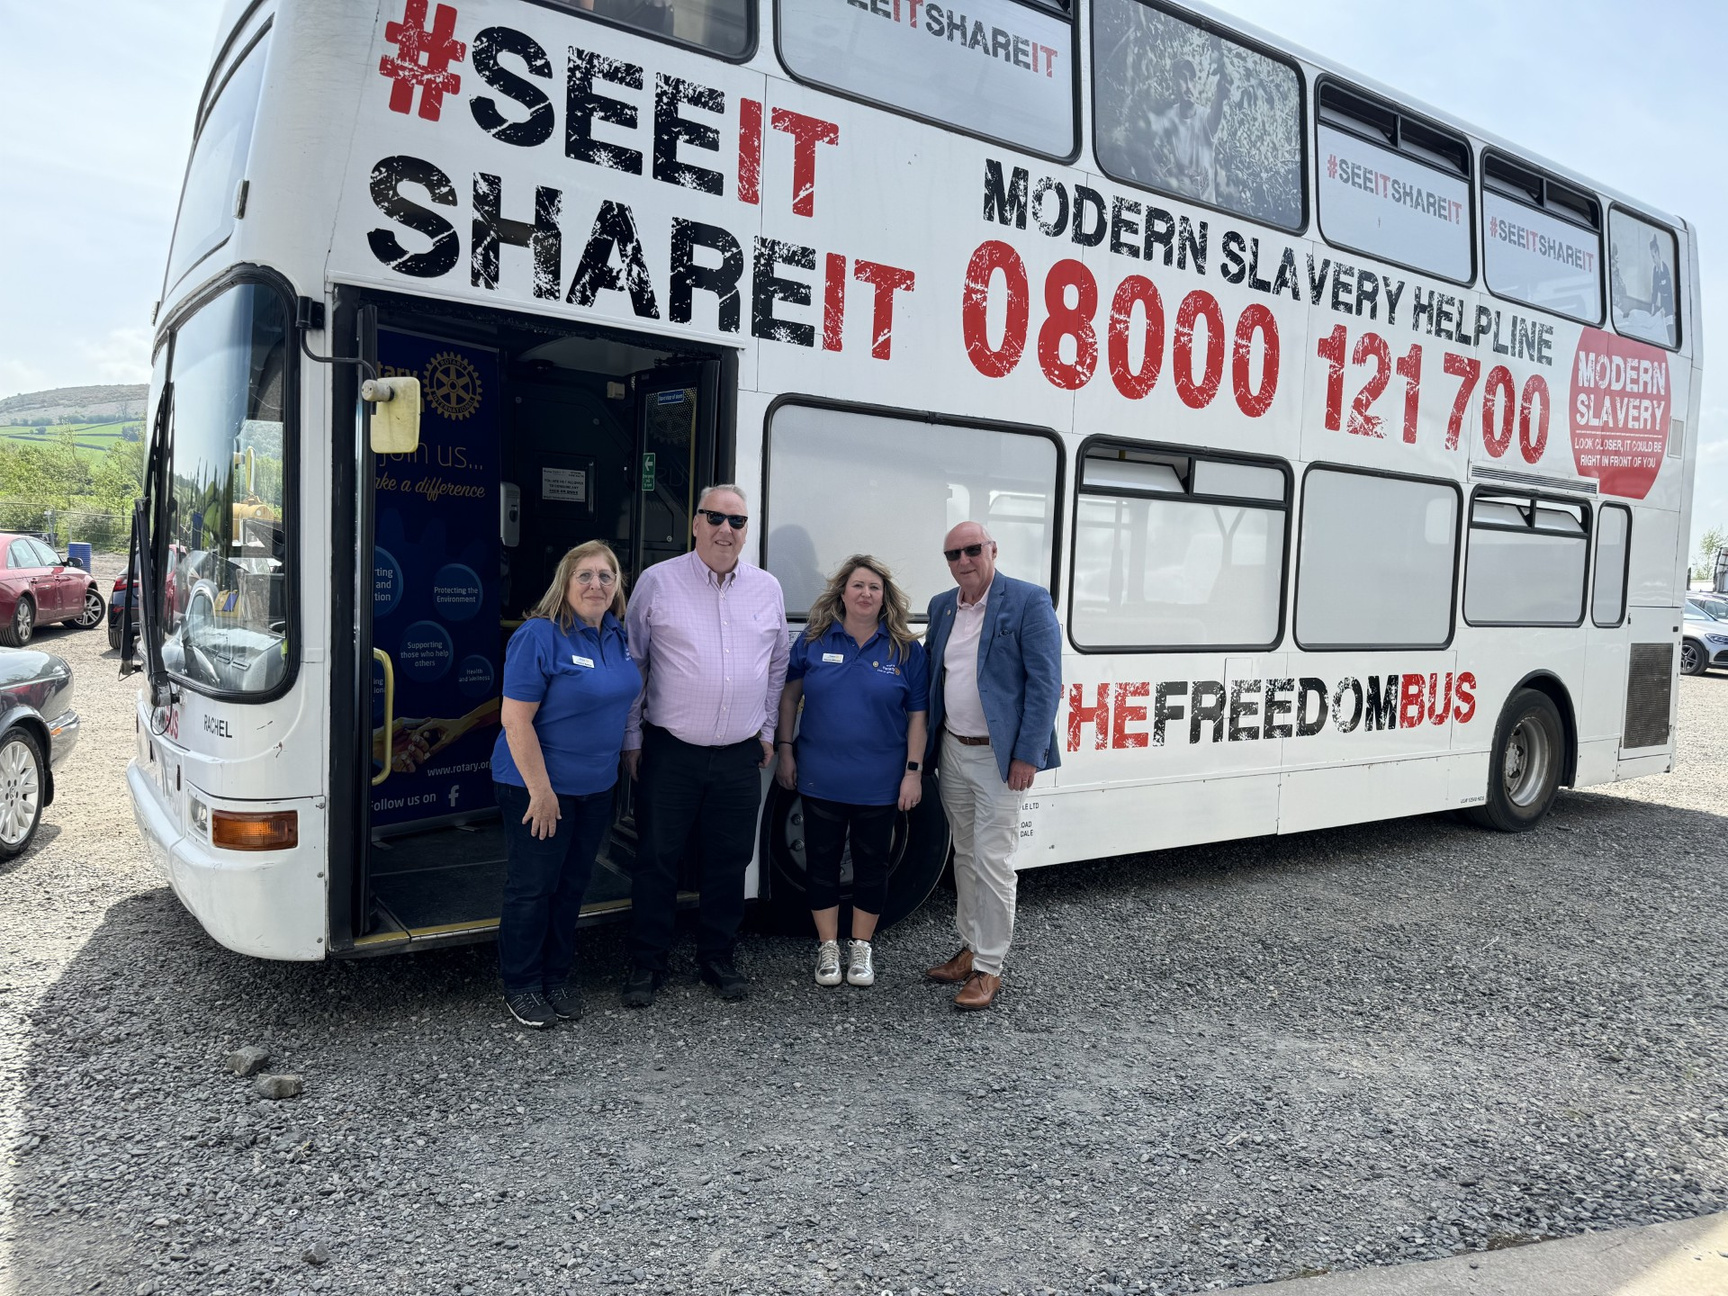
[
  {"x": 1643, "y": 279},
  {"x": 848, "y": 481},
  {"x": 1393, "y": 187},
  {"x": 1525, "y": 561},
  {"x": 1173, "y": 550},
  {"x": 1613, "y": 549},
  {"x": 1183, "y": 110},
  {"x": 1542, "y": 240},
  {"x": 1377, "y": 561},
  {"x": 722, "y": 27}
]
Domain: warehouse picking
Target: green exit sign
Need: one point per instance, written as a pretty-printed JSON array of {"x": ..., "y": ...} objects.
[{"x": 648, "y": 471}]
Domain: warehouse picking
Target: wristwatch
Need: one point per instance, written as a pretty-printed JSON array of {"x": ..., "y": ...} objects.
[{"x": 912, "y": 767}]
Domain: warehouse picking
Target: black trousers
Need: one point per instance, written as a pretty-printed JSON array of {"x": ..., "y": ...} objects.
[
  {"x": 701, "y": 799},
  {"x": 544, "y": 881},
  {"x": 827, "y": 824}
]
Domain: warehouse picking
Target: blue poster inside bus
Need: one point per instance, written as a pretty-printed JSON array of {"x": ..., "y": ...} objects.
[{"x": 435, "y": 589}]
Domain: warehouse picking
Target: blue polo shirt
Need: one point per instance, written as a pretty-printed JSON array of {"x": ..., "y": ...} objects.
[
  {"x": 584, "y": 681},
  {"x": 852, "y": 739}
]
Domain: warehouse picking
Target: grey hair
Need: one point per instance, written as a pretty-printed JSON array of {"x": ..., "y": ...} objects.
[{"x": 722, "y": 486}]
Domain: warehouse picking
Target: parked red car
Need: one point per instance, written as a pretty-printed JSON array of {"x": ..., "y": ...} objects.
[{"x": 37, "y": 585}]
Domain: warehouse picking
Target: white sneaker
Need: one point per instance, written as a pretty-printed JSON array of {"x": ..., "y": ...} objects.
[
  {"x": 860, "y": 971},
  {"x": 828, "y": 963}
]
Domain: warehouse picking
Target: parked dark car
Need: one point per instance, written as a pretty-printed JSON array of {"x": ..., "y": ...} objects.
[
  {"x": 38, "y": 727},
  {"x": 124, "y": 595},
  {"x": 37, "y": 585}
]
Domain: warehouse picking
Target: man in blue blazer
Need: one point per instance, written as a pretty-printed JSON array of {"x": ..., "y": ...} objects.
[{"x": 995, "y": 682}]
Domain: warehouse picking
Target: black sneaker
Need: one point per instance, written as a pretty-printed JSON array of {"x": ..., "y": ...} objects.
[
  {"x": 530, "y": 1008},
  {"x": 564, "y": 1001},
  {"x": 727, "y": 979},
  {"x": 639, "y": 987}
]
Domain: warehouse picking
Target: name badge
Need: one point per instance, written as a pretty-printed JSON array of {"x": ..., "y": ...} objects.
[
  {"x": 582, "y": 661},
  {"x": 834, "y": 657}
]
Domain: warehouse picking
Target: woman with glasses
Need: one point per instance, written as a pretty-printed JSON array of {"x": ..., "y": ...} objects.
[
  {"x": 857, "y": 760},
  {"x": 569, "y": 683}
]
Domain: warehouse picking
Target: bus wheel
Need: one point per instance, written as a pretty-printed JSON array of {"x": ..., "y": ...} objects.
[
  {"x": 1525, "y": 764},
  {"x": 915, "y": 862},
  {"x": 1693, "y": 659}
]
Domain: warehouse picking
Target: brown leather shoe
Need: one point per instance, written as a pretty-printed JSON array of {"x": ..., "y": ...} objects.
[
  {"x": 979, "y": 992},
  {"x": 955, "y": 970}
]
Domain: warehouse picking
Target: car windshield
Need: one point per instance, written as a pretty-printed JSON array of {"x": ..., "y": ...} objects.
[
  {"x": 223, "y": 589},
  {"x": 1702, "y": 609}
]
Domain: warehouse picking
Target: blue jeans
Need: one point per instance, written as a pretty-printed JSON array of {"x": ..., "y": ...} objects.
[{"x": 545, "y": 879}]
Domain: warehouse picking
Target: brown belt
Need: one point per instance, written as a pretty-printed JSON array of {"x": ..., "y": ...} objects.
[{"x": 964, "y": 741}]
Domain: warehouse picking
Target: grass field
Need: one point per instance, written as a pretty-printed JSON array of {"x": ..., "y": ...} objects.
[{"x": 93, "y": 439}]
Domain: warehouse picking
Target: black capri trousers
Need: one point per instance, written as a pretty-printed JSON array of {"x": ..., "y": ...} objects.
[{"x": 826, "y": 827}]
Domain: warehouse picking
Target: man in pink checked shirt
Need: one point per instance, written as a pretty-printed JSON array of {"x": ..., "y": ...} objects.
[{"x": 708, "y": 632}]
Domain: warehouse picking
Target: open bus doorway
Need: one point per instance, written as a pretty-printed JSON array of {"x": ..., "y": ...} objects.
[{"x": 534, "y": 439}]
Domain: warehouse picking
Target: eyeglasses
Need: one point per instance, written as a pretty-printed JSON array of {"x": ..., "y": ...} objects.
[
  {"x": 737, "y": 520},
  {"x": 971, "y": 551},
  {"x": 607, "y": 579}
]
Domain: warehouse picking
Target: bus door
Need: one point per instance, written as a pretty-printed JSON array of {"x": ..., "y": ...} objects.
[{"x": 530, "y": 445}]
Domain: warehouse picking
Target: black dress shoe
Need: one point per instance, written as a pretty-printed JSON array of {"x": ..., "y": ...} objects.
[
  {"x": 727, "y": 979},
  {"x": 639, "y": 987}
]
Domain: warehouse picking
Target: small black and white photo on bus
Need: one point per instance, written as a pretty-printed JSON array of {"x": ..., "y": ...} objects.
[
  {"x": 1641, "y": 279},
  {"x": 1192, "y": 114}
]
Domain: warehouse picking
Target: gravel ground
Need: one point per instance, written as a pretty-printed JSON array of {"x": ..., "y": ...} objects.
[{"x": 1211, "y": 1067}]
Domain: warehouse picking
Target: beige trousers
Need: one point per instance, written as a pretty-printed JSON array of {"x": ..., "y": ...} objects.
[{"x": 984, "y": 817}]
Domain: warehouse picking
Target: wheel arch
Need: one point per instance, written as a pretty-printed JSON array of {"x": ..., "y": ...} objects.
[{"x": 1548, "y": 683}]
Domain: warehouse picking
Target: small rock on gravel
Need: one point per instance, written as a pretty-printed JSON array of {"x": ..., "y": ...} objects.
[
  {"x": 249, "y": 1060},
  {"x": 278, "y": 1086},
  {"x": 316, "y": 1254}
]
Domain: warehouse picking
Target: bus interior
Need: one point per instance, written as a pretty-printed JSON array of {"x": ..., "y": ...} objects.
[{"x": 535, "y": 437}]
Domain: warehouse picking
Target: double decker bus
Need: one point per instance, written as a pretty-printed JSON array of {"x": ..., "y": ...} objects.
[{"x": 1350, "y": 442}]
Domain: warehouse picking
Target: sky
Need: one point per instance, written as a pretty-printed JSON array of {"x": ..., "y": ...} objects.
[{"x": 99, "y": 100}]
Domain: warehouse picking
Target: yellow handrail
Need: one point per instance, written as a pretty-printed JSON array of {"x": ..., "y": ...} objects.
[{"x": 383, "y": 659}]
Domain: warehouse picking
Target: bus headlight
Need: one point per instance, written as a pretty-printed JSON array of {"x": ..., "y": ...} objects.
[
  {"x": 198, "y": 814},
  {"x": 250, "y": 831}
]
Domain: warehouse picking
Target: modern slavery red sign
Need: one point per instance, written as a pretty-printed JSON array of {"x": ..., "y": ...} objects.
[{"x": 1620, "y": 412}]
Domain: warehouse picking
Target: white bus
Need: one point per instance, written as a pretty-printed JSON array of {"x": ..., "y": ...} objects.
[{"x": 1351, "y": 443}]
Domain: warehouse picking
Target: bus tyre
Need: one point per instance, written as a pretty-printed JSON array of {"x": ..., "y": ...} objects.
[
  {"x": 1524, "y": 765},
  {"x": 1693, "y": 659},
  {"x": 915, "y": 862},
  {"x": 16, "y": 632}
]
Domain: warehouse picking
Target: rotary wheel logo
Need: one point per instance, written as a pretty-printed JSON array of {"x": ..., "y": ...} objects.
[{"x": 452, "y": 385}]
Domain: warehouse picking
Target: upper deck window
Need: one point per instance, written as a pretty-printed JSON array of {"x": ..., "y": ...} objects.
[
  {"x": 995, "y": 68},
  {"x": 1189, "y": 112},
  {"x": 1642, "y": 279},
  {"x": 1542, "y": 240},
  {"x": 1392, "y": 186},
  {"x": 219, "y": 154},
  {"x": 720, "y": 26}
]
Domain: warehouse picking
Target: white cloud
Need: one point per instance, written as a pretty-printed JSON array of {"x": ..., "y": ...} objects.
[{"x": 123, "y": 356}]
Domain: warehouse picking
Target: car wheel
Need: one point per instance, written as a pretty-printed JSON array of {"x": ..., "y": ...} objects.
[
  {"x": 16, "y": 632},
  {"x": 1693, "y": 659},
  {"x": 20, "y": 791},
  {"x": 915, "y": 862},
  {"x": 94, "y": 606},
  {"x": 1524, "y": 766}
]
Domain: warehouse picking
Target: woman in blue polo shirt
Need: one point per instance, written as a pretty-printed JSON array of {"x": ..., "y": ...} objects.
[
  {"x": 568, "y": 685},
  {"x": 865, "y": 683}
]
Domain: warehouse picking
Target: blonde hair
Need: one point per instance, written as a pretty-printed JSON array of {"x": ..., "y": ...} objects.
[
  {"x": 829, "y": 608},
  {"x": 554, "y": 606}
]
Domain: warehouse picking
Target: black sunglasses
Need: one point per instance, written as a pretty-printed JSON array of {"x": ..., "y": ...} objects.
[
  {"x": 738, "y": 520},
  {"x": 971, "y": 551}
]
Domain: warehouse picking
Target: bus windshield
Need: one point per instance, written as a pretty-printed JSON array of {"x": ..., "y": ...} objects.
[{"x": 224, "y": 614}]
